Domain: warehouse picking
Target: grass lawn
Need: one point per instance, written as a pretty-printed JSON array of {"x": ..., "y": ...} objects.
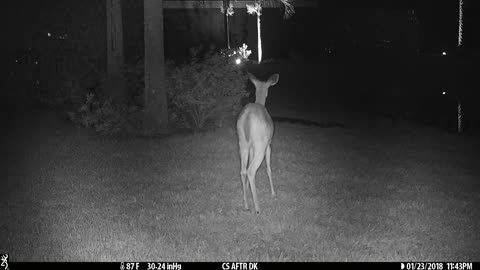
[{"x": 343, "y": 194}]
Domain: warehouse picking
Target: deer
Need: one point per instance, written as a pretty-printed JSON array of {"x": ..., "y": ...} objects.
[{"x": 255, "y": 131}]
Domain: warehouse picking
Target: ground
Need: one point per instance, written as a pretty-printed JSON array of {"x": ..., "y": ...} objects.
[{"x": 370, "y": 189}]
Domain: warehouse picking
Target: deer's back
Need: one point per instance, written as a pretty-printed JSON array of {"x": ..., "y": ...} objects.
[{"x": 255, "y": 124}]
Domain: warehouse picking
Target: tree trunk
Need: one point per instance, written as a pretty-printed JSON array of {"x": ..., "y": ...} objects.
[
  {"x": 226, "y": 4},
  {"x": 459, "y": 69},
  {"x": 155, "y": 117},
  {"x": 259, "y": 40},
  {"x": 115, "y": 82},
  {"x": 460, "y": 23}
]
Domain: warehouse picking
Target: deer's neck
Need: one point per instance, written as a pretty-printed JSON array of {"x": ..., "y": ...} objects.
[{"x": 260, "y": 98}]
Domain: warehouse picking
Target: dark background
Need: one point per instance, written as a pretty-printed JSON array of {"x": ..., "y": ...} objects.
[{"x": 365, "y": 52}]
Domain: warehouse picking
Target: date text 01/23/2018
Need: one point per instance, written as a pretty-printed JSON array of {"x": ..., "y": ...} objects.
[{"x": 436, "y": 266}]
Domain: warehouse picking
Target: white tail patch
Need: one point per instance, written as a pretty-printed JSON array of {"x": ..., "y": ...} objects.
[{"x": 255, "y": 131}]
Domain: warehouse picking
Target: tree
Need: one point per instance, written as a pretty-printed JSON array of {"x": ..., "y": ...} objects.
[
  {"x": 459, "y": 74},
  {"x": 460, "y": 23},
  {"x": 227, "y": 10},
  {"x": 155, "y": 115},
  {"x": 115, "y": 84},
  {"x": 257, "y": 10}
]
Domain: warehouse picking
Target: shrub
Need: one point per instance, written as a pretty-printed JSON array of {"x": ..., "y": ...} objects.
[
  {"x": 241, "y": 54},
  {"x": 105, "y": 118},
  {"x": 199, "y": 92},
  {"x": 206, "y": 91}
]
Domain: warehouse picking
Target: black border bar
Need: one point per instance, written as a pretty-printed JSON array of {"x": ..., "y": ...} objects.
[{"x": 238, "y": 265}]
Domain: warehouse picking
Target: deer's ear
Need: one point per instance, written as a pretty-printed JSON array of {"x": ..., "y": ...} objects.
[{"x": 273, "y": 79}]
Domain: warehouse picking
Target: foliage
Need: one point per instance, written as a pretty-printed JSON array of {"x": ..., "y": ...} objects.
[
  {"x": 289, "y": 9},
  {"x": 240, "y": 53},
  {"x": 202, "y": 91},
  {"x": 104, "y": 117},
  {"x": 206, "y": 90},
  {"x": 255, "y": 8},
  {"x": 227, "y": 8}
]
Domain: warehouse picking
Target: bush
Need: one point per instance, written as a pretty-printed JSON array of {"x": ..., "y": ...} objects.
[
  {"x": 206, "y": 91},
  {"x": 239, "y": 54},
  {"x": 105, "y": 118},
  {"x": 199, "y": 92}
]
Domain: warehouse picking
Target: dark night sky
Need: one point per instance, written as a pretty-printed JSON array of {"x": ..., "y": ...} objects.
[
  {"x": 23, "y": 18},
  {"x": 18, "y": 21}
]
